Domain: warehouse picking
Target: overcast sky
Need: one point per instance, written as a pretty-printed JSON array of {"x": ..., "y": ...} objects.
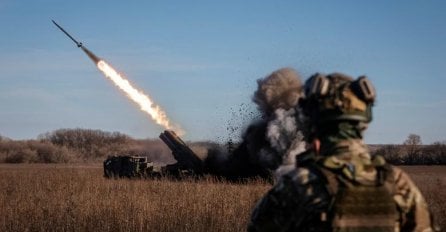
[{"x": 199, "y": 60}]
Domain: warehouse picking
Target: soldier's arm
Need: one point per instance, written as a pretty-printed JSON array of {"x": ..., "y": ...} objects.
[
  {"x": 289, "y": 204},
  {"x": 272, "y": 212},
  {"x": 414, "y": 209}
]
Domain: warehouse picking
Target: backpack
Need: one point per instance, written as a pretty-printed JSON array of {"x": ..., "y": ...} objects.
[{"x": 359, "y": 205}]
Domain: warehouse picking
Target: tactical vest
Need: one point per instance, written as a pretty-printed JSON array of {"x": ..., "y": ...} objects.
[{"x": 361, "y": 205}]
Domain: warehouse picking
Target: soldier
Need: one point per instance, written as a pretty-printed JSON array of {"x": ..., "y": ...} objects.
[{"x": 337, "y": 185}]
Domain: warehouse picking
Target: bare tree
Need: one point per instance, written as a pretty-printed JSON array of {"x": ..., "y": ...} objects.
[
  {"x": 413, "y": 140},
  {"x": 412, "y": 145}
]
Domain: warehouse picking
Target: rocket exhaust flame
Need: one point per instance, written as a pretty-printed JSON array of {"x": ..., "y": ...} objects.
[
  {"x": 146, "y": 104},
  {"x": 144, "y": 101}
]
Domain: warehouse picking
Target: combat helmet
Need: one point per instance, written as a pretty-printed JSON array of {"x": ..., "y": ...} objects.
[{"x": 338, "y": 97}]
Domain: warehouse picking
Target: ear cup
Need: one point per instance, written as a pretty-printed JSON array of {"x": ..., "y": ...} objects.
[
  {"x": 317, "y": 85},
  {"x": 364, "y": 89}
]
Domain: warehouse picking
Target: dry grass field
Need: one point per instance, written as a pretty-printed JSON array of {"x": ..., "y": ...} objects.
[
  {"x": 78, "y": 198},
  {"x": 431, "y": 181}
]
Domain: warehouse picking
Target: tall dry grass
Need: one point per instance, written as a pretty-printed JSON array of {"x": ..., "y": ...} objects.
[
  {"x": 63, "y": 198},
  {"x": 77, "y": 198}
]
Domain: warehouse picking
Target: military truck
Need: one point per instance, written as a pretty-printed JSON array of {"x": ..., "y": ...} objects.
[
  {"x": 127, "y": 166},
  {"x": 187, "y": 164}
]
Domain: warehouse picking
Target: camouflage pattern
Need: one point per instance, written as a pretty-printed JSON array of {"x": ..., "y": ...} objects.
[{"x": 300, "y": 199}]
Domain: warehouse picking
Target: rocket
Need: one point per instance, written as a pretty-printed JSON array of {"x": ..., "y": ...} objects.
[
  {"x": 66, "y": 33},
  {"x": 90, "y": 54}
]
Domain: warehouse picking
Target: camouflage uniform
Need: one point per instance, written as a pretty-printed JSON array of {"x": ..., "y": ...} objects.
[
  {"x": 303, "y": 199},
  {"x": 297, "y": 202}
]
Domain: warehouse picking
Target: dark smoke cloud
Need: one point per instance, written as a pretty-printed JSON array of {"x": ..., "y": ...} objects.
[{"x": 271, "y": 143}]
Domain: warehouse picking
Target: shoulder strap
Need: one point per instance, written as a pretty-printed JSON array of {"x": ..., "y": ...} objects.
[
  {"x": 384, "y": 171},
  {"x": 331, "y": 180}
]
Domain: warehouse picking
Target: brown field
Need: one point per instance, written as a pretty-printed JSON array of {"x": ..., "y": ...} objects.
[
  {"x": 431, "y": 180},
  {"x": 77, "y": 198}
]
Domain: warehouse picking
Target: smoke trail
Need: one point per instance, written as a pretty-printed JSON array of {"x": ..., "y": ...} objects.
[{"x": 145, "y": 103}]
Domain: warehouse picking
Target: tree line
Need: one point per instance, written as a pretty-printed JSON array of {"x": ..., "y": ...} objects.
[
  {"x": 413, "y": 152},
  {"x": 86, "y": 145},
  {"x": 79, "y": 145}
]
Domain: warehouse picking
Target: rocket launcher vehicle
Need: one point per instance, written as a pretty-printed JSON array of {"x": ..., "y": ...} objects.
[{"x": 187, "y": 159}]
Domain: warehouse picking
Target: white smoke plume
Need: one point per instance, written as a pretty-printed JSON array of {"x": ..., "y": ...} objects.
[{"x": 285, "y": 137}]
